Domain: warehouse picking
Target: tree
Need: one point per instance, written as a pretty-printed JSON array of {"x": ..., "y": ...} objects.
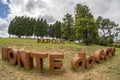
[
  {"x": 51, "y": 31},
  {"x": 26, "y": 26},
  {"x": 68, "y": 27},
  {"x": 101, "y": 26},
  {"x": 85, "y": 26},
  {"x": 42, "y": 27},
  {"x": 38, "y": 28},
  {"x": 30, "y": 27},
  {"x": 108, "y": 28},
  {"x": 11, "y": 28},
  {"x": 109, "y": 25},
  {"x": 57, "y": 29},
  {"x": 34, "y": 26},
  {"x": 45, "y": 28},
  {"x": 18, "y": 27},
  {"x": 117, "y": 31}
]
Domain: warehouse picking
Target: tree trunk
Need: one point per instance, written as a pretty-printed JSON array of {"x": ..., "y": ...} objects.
[
  {"x": 19, "y": 36},
  {"x": 103, "y": 33}
]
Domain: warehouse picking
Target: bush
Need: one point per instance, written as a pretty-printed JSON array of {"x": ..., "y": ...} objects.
[
  {"x": 105, "y": 41},
  {"x": 117, "y": 45}
]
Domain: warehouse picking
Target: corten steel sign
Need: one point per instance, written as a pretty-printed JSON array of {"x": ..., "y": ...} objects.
[
  {"x": 80, "y": 62},
  {"x": 56, "y": 66},
  {"x": 50, "y": 41}
]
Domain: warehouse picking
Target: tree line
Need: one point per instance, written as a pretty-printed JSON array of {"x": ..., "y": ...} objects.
[{"x": 83, "y": 27}]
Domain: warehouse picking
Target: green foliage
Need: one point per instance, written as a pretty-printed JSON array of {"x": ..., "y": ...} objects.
[
  {"x": 19, "y": 28},
  {"x": 45, "y": 28},
  {"x": 85, "y": 27},
  {"x": 11, "y": 27},
  {"x": 29, "y": 26},
  {"x": 38, "y": 28},
  {"x": 107, "y": 26},
  {"x": 41, "y": 28},
  {"x": 25, "y": 26},
  {"x": 68, "y": 27},
  {"x": 117, "y": 45},
  {"x": 51, "y": 31},
  {"x": 57, "y": 29},
  {"x": 54, "y": 30},
  {"x": 104, "y": 41}
]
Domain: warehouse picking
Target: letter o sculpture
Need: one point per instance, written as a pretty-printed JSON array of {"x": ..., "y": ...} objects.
[
  {"x": 99, "y": 56},
  {"x": 89, "y": 61},
  {"x": 78, "y": 63},
  {"x": 12, "y": 56}
]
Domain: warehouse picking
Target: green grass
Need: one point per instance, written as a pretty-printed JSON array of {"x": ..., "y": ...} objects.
[{"x": 108, "y": 70}]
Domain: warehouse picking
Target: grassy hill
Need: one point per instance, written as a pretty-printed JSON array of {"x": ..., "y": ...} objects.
[{"x": 108, "y": 70}]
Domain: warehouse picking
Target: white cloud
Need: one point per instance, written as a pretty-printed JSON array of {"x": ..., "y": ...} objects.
[
  {"x": 54, "y": 10},
  {"x": 3, "y": 27},
  {"x": 4, "y": 2}
]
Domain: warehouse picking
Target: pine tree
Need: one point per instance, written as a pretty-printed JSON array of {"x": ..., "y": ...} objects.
[
  {"x": 85, "y": 26},
  {"x": 57, "y": 29},
  {"x": 67, "y": 27}
]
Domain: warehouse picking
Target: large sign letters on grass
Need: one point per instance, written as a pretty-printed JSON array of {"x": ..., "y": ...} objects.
[{"x": 79, "y": 62}]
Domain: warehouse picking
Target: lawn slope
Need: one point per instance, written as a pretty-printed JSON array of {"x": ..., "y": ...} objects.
[{"x": 108, "y": 70}]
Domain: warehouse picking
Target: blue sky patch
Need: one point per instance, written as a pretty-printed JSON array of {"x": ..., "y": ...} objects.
[{"x": 4, "y": 10}]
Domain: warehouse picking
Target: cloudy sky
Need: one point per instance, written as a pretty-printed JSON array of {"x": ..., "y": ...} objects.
[{"x": 53, "y": 10}]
